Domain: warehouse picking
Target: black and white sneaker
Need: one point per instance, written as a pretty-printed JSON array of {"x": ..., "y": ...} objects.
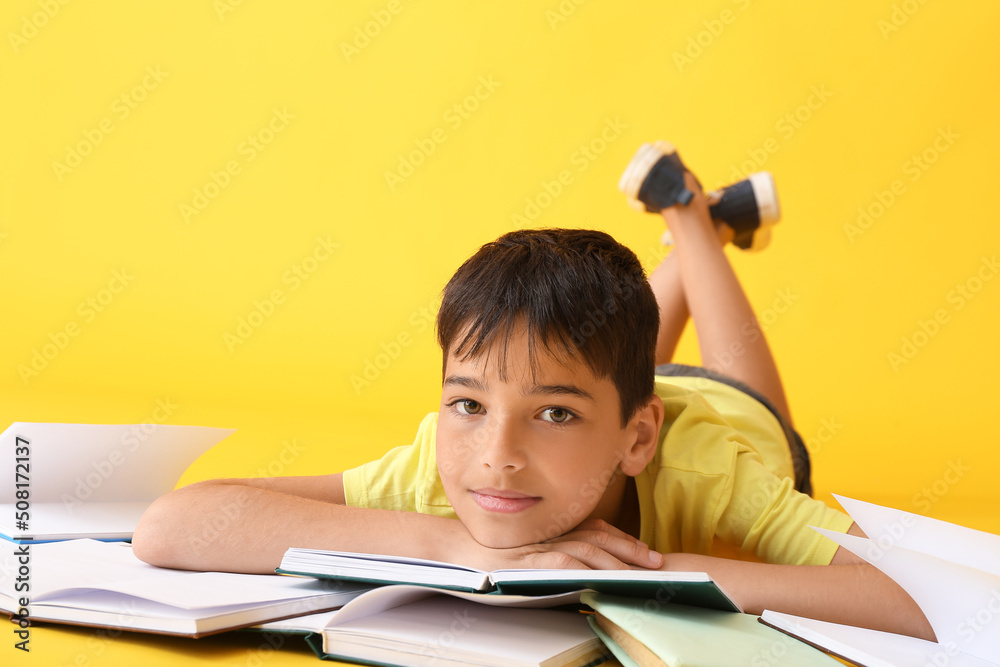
[{"x": 654, "y": 180}]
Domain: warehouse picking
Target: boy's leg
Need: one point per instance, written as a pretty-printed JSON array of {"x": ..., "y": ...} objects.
[
  {"x": 729, "y": 336},
  {"x": 665, "y": 280},
  {"x": 666, "y": 283}
]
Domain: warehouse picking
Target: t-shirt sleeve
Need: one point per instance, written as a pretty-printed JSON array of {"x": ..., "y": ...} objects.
[
  {"x": 395, "y": 481},
  {"x": 767, "y": 517}
]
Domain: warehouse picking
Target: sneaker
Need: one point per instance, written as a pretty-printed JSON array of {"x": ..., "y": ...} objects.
[
  {"x": 654, "y": 180},
  {"x": 750, "y": 208}
]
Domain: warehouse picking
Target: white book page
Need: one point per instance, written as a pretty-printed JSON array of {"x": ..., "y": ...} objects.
[
  {"x": 598, "y": 575},
  {"x": 438, "y": 627},
  {"x": 382, "y": 598},
  {"x": 102, "y": 463},
  {"x": 69, "y": 520},
  {"x": 72, "y": 570},
  {"x": 377, "y": 567},
  {"x": 308, "y": 623},
  {"x": 870, "y": 648},
  {"x": 372, "y": 562},
  {"x": 886, "y": 527},
  {"x": 962, "y": 604}
]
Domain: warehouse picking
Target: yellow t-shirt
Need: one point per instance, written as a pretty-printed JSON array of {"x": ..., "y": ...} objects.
[{"x": 707, "y": 490}]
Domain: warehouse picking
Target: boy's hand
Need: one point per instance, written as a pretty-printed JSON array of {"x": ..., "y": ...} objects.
[{"x": 594, "y": 544}]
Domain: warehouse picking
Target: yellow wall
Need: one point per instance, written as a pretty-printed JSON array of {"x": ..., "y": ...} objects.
[{"x": 140, "y": 225}]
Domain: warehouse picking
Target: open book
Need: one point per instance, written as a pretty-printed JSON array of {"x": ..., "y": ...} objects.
[
  {"x": 66, "y": 481},
  {"x": 418, "y": 625},
  {"x": 951, "y": 572},
  {"x": 673, "y": 635},
  {"x": 691, "y": 588},
  {"x": 87, "y": 582}
]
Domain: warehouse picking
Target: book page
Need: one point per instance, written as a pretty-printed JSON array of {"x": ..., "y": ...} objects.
[
  {"x": 378, "y": 568},
  {"x": 870, "y": 648},
  {"x": 962, "y": 604},
  {"x": 439, "y": 630},
  {"x": 103, "y": 463},
  {"x": 891, "y": 527},
  {"x": 387, "y": 597},
  {"x": 67, "y": 573},
  {"x": 74, "y": 471},
  {"x": 62, "y": 521}
]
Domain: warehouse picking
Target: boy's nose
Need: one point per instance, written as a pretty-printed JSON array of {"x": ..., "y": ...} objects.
[{"x": 502, "y": 448}]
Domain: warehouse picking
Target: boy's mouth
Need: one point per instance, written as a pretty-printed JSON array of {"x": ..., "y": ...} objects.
[{"x": 506, "y": 502}]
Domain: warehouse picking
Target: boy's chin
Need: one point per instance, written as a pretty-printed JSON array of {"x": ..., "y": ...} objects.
[
  {"x": 501, "y": 540},
  {"x": 507, "y": 539}
]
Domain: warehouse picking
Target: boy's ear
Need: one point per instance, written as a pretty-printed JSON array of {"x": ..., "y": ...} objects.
[{"x": 644, "y": 430}]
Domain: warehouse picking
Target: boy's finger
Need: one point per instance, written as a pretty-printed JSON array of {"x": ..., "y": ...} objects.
[
  {"x": 621, "y": 547},
  {"x": 591, "y": 556}
]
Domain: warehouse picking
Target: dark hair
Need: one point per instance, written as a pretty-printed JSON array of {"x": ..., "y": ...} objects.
[{"x": 577, "y": 291}]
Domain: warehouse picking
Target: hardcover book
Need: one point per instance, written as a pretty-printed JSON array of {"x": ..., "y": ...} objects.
[{"x": 691, "y": 588}]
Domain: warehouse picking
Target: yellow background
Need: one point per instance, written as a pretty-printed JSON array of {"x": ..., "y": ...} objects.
[{"x": 835, "y": 100}]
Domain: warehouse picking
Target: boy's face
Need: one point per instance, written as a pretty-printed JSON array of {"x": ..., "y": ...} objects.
[{"x": 527, "y": 459}]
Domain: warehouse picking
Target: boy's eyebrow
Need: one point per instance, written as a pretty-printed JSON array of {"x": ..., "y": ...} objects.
[
  {"x": 564, "y": 389},
  {"x": 464, "y": 381},
  {"x": 539, "y": 389}
]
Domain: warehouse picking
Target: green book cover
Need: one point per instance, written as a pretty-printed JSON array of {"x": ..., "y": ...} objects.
[{"x": 678, "y": 635}]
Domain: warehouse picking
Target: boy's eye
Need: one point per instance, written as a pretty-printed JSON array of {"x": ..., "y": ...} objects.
[
  {"x": 557, "y": 415},
  {"x": 469, "y": 407}
]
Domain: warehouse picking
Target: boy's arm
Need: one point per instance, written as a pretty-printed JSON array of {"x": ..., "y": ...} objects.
[
  {"x": 246, "y": 525},
  {"x": 847, "y": 591}
]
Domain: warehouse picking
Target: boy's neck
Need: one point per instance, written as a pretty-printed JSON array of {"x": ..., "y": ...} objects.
[{"x": 628, "y": 519}]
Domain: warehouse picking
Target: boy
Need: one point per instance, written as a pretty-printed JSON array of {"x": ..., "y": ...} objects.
[{"x": 555, "y": 447}]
